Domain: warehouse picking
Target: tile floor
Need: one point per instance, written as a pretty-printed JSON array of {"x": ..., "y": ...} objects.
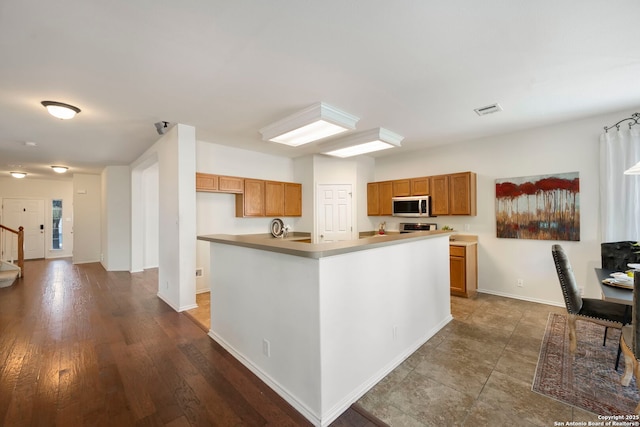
[{"x": 477, "y": 371}]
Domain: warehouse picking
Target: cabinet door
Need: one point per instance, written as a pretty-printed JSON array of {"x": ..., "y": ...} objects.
[
  {"x": 386, "y": 194},
  {"x": 373, "y": 199},
  {"x": 251, "y": 203},
  {"x": 292, "y": 199},
  {"x": 206, "y": 182},
  {"x": 440, "y": 195},
  {"x": 401, "y": 187},
  {"x": 273, "y": 198},
  {"x": 420, "y": 186},
  {"x": 462, "y": 193},
  {"x": 230, "y": 184},
  {"x": 457, "y": 275}
]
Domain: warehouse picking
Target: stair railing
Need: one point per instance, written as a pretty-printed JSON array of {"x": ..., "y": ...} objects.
[{"x": 20, "y": 242}]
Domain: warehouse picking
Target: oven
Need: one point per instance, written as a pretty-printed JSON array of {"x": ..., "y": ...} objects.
[{"x": 412, "y": 227}]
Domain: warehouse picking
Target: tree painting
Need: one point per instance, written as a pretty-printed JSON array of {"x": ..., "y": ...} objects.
[{"x": 545, "y": 207}]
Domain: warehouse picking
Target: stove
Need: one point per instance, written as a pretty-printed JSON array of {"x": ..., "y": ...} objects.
[{"x": 412, "y": 227}]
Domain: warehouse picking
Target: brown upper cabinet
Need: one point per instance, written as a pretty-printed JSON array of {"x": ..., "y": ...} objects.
[
  {"x": 462, "y": 194},
  {"x": 440, "y": 195},
  {"x": 401, "y": 187},
  {"x": 420, "y": 186},
  {"x": 373, "y": 198},
  {"x": 451, "y": 194},
  {"x": 386, "y": 194},
  {"x": 218, "y": 183},
  {"x": 282, "y": 198},
  {"x": 206, "y": 182},
  {"x": 292, "y": 199},
  {"x": 379, "y": 195},
  {"x": 230, "y": 184},
  {"x": 252, "y": 201},
  {"x": 255, "y": 197}
]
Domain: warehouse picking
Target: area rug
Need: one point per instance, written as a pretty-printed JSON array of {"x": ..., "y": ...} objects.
[{"x": 587, "y": 380}]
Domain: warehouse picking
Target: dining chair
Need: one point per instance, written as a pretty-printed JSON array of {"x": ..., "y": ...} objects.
[
  {"x": 605, "y": 313},
  {"x": 630, "y": 342}
]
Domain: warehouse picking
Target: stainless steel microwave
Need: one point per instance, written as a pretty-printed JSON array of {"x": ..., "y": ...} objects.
[{"x": 412, "y": 207}]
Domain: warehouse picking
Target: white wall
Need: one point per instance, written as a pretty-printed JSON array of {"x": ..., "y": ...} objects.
[
  {"x": 28, "y": 188},
  {"x": 566, "y": 147},
  {"x": 216, "y": 212},
  {"x": 87, "y": 195},
  {"x": 175, "y": 153},
  {"x": 151, "y": 228},
  {"x": 116, "y": 218}
]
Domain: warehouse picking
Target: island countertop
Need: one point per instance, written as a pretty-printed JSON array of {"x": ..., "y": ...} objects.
[{"x": 296, "y": 246}]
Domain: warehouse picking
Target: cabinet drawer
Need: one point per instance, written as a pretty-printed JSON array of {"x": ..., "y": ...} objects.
[{"x": 457, "y": 250}]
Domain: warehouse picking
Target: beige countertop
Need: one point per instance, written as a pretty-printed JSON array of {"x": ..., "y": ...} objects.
[
  {"x": 463, "y": 240},
  {"x": 293, "y": 245}
]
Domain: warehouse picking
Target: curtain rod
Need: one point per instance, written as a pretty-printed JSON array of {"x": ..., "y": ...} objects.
[{"x": 635, "y": 118}]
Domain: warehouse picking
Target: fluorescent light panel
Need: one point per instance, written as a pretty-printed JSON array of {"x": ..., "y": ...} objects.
[
  {"x": 364, "y": 142},
  {"x": 315, "y": 122}
]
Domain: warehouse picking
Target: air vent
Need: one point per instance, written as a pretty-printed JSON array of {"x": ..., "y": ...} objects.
[{"x": 493, "y": 108}]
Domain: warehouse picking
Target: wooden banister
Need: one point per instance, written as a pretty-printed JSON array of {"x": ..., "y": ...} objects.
[{"x": 20, "y": 234}]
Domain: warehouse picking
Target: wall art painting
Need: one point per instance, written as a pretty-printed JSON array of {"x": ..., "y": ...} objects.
[{"x": 544, "y": 207}]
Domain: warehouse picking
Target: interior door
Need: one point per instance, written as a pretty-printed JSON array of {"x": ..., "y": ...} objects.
[
  {"x": 28, "y": 213},
  {"x": 334, "y": 212}
]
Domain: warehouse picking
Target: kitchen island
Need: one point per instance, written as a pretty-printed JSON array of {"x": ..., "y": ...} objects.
[{"x": 322, "y": 323}]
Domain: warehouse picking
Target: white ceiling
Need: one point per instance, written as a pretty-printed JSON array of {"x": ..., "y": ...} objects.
[{"x": 228, "y": 68}]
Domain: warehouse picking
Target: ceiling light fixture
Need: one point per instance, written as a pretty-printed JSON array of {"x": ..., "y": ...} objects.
[
  {"x": 363, "y": 142},
  {"x": 61, "y": 110},
  {"x": 315, "y": 122},
  {"x": 59, "y": 169},
  {"x": 18, "y": 174}
]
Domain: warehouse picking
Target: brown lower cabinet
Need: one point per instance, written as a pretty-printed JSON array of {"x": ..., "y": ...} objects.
[{"x": 463, "y": 270}]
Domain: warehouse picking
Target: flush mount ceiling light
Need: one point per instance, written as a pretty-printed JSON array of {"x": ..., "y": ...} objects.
[
  {"x": 362, "y": 143},
  {"x": 59, "y": 169},
  {"x": 315, "y": 122},
  {"x": 61, "y": 110},
  {"x": 18, "y": 174}
]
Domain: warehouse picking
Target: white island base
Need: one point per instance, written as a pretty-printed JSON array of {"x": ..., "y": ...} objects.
[{"x": 321, "y": 329}]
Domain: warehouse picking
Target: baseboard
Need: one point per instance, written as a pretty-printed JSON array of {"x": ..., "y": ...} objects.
[
  {"x": 202, "y": 291},
  {"x": 349, "y": 400},
  {"x": 520, "y": 297}
]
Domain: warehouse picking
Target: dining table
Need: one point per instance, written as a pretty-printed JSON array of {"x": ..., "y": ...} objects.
[{"x": 613, "y": 293}]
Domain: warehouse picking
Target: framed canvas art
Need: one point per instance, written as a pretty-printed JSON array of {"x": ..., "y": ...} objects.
[{"x": 543, "y": 207}]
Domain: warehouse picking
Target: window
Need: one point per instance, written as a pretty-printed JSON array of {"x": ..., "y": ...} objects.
[{"x": 56, "y": 229}]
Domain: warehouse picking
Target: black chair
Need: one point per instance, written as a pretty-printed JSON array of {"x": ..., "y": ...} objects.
[
  {"x": 616, "y": 255},
  {"x": 605, "y": 313}
]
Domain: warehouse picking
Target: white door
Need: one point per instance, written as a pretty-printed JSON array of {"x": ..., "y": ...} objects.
[
  {"x": 334, "y": 212},
  {"x": 28, "y": 213}
]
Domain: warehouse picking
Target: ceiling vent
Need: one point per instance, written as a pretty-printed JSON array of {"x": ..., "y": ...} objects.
[{"x": 493, "y": 108}]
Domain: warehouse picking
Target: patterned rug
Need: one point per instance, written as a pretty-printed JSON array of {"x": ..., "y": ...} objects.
[{"x": 589, "y": 380}]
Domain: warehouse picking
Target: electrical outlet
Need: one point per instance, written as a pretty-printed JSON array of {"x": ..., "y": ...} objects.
[
  {"x": 467, "y": 227},
  {"x": 581, "y": 291},
  {"x": 266, "y": 347},
  {"x": 395, "y": 332},
  {"x": 520, "y": 283}
]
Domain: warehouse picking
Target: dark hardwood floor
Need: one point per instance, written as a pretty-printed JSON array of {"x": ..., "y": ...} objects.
[{"x": 80, "y": 346}]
